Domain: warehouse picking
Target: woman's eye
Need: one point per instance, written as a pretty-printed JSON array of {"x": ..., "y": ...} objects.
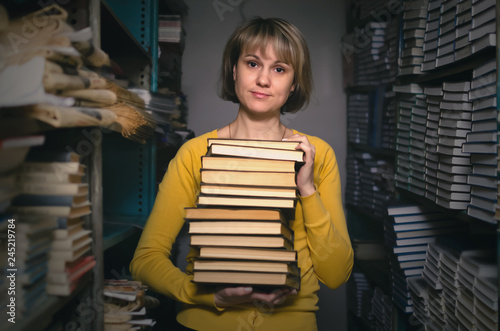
[
  {"x": 252, "y": 64},
  {"x": 280, "y": 70}
]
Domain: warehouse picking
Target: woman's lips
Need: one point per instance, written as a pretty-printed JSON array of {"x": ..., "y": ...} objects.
[{"x": 259, "y": 95}]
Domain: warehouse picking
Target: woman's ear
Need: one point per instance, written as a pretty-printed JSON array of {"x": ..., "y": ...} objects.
[{"x": 234, "y": 72}]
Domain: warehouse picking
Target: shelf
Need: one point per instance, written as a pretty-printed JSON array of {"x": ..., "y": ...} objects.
[
  {"x": 41, "y": 316},
  {"x": 117, "y": 229},
  {"x": 378, "y": 271},
  {"x": 452, "y": 71}
]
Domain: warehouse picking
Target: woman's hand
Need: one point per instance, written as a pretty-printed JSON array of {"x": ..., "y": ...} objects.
[
  {"x": 305, "y": 176},
  {"x": 228, "y": 296}
]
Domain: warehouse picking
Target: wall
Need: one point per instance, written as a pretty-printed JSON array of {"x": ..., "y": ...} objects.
[{"x": 208, "y": 27}]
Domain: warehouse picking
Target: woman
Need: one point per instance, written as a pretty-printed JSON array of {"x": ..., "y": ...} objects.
[{"x": 266, "y": 70}]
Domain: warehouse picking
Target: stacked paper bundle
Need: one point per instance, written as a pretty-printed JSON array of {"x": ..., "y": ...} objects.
[
  {"x": 46, "y": 82},
  {"x": 481, "y": 142},
  {"x": 458, "y": 288},
  {"x": 414, "y": 23},
  {"x": 52, "y": 187},
  {"x": 408, "y": 230},
  {"x": 126, "y": 305},
  {"x": 248, "y": 196}
]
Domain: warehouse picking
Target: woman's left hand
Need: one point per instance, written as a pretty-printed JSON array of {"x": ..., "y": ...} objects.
[{"x": 305, "y": 176}]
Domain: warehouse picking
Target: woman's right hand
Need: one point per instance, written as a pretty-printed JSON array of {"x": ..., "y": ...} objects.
[{"x": 229, "y": 296}]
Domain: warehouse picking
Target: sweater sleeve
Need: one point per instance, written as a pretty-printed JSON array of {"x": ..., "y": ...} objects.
[
  {"x": 151, "y": 262},
  {"x": 326, "y": 230}
]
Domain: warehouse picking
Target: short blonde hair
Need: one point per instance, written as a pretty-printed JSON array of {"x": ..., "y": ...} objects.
[{"x": 289, "y": 45}]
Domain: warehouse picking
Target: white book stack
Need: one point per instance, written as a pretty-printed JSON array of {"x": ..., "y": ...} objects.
[
  {"x": 431, "y": 34},
  {"x": 463, "y": 47},
  {"x": 474, "y": 272},
  {"x": 406, "y": 99},
  {"x": 419, "y": 294},
  {"x": 360, "y": 294},
  {"x": 382, "y": 310},
  {"x": 358, "y": 118},
  {"x": 408, "y": 229},
  {"x": 446, "y": 37},
  {"x": 416, "y": 148},
  {"x": 482, "y": 143},
  {"x": 389, "y": 122},
  {"x": 454, "y": 124},
  {"x": 434, "y": 96},
  {"x": 482, "y": 34},
  {"x": 414, "y": 25}
]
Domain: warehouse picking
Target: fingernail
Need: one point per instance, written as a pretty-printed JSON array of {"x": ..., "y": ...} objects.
[
  {"x": 248, "y": 289},
  {"x": 284, "y": 139}
]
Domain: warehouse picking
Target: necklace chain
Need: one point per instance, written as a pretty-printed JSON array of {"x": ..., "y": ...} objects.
[{"x": 231, "y": 136}]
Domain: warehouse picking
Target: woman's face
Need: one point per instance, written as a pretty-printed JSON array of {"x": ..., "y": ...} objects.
[{"x": 263, "y": 82}]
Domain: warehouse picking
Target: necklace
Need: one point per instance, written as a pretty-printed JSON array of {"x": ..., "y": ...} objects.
[{"x": 231, "y": 136}]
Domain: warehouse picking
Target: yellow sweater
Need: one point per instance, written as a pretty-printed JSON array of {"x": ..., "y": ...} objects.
[{"x": 321, "y": 239}]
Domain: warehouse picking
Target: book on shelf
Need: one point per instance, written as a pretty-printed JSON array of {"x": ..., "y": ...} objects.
[
  {"x": 81, "y": 237},
  {"x": 260, "y": 254},
  {"x": 242, "y": 241},
  {"x": 250, "y": 178},
  {"x": 58, "y": 258},
  {"x": 72, "y": 272},
  {"x": 241, "y": 228},
  {"x": 255, "y": 152},
  {"x": 13, "y": 150},
  {"x": 246, "y": 164},
  {"x": 54, "y": 167},
  {"x": 66, "y": 289},
  {"x": 248, "y": 278},
  {"x": 62, "y": 211},
  {"x": 50, "y": 200},
  {"x": 36, "y": 188},
  {"x": 68, "y": 230},
  {"x": 43, "y": 154},
  {"x": 47, "y": 177}
]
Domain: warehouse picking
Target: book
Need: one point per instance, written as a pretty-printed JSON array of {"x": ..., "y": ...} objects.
[
  {"x": 283, "y": 144},
  {"x": 54, "y": 167},
  {"x": 247, "y": 278},
  {"x": 62, "y": 211},
  {"x": 49, "y": 200},
  {"x": 234, "y": 214},
  {"x": 54, "y": 189},
  {"x": 77, "y": 239},
  {"x": 13, "y": 151},
  {"x": 240, "y": 190},
  {"x": 256, "y": 152},
  {"x": 242, "y": 241},
  {"x": 253, "y": 266},
  {"x": 72, "y": 271},
  {"x": 60, "y": 257},
  {"x": 241, "y": 227},
  {"x": 64, "y": 233},
  {"x": 251, "y": 178},
  {"x": 47, "y": 177},
  {"x": 246, "y": 164},
  {"x": 288, "y": 205},
  {"x": 259, "y": 254}
]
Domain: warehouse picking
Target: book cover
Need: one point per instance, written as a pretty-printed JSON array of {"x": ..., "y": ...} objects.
[
  {"x": 247, "y": 164},
  {"x": 260, "y": 254},
  {"x": 249, "y": 178},
  {"x": 240, "y": 227},
  {"x": 247, "y": 278},
  {"x": 250, "y": 191},
  {"x": 264, "y": 241},
  {"x": 251, "y": 266},
  {"x": 256, "y": 152},
  {"x": 284, "y": 144},
  {"x": 234, "y": 214}
]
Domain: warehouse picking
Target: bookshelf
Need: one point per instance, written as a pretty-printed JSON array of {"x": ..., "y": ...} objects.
[
  {"x": 129, "y": 35},
  {"x": 420, "y": 145}
]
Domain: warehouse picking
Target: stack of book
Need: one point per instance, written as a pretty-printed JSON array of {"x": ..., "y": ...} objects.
[
  {"x": 414, "y": 22},
  {"x": 481, "y": 143},
  {"x": 240, "y": 224},
  {"x": 459, "y": 284},
  {"x": 408, "y": 229},
  {"x": 454, "y": 124},
  {"x": 370, "y": 182},
  {"x": 126, "y": 305},
  {"x": 358, "y": 118},
  {"x": 416, "y": 148},
  {"x": 419, "y": 294},
  {"x": 430, "y": 41},
  {"x": 382, "y": 310},
  {"x": 406, "y": 99},
  {"x": 170, "y": 28},
  {"x": 51, "y": 183},
  {"x": 455, "y": 30},
  {"x": 434, "y": 97},
  {"x": 360, "y": 296},
  {"x": 389, "y": 122}
]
